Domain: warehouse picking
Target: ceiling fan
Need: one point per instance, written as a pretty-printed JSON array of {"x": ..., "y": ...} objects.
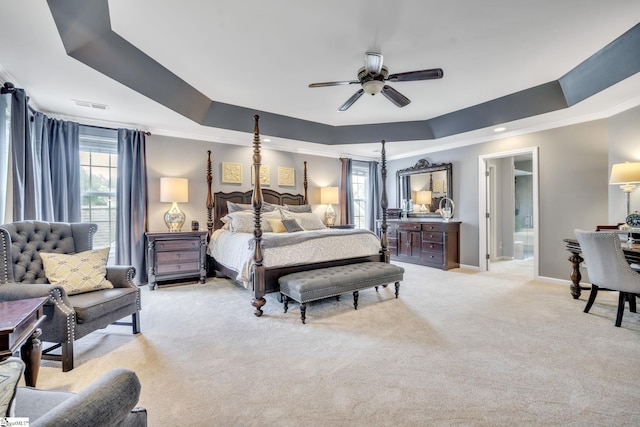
[{"x": 373, "y": 76}]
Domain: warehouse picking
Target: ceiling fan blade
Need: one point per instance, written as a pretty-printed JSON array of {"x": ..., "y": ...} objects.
[
  {"x": 410, "y": 76},
  {"x": 394, "y": 96},
  {"x": 351, "y": 100},
  {"x": 373, "y": 62},
  {"x": 345, "y": 82}
]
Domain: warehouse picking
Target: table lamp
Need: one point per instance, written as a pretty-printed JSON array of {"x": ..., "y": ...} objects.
[
  {"x": 174, "y": 191},
  {"x": 626, "y": 175},
  {"x": 329, "y": 196},
  {"x": 423, "y": 198}
]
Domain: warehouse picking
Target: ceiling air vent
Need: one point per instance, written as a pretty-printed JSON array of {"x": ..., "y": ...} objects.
[{"x": 88, "y": 104}]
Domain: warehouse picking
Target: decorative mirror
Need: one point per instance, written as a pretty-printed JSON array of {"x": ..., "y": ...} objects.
[{"x": 421, "y": 187}]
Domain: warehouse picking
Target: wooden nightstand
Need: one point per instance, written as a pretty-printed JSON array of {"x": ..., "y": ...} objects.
[{"x": 176, "y": 256}]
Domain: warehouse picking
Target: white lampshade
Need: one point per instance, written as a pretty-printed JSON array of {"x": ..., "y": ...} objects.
[
  {"x": 625, "y": 173},
  {"x": 423, "y": 197},
  {"x": 329, "y": 195},
  {"x": 174, "y": 190}
]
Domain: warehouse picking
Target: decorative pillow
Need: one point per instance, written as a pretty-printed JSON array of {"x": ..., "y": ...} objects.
[
  {"x": 237, "y": 207},
  {"x": 243, "y": 222},
  {"x": 233, "y": 207},
  {"x": 308, "y": 221},
  {"x": 298, "y": 208},
  {"x": 277, "y": 226},
  {"x": 76, "y": 273},
  {"x": 10, "y": 373},
  {"x": 292, "y": 225}
]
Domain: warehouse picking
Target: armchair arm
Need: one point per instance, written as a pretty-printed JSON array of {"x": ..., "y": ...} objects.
[
  {"x": 106, "y": 402},
  {"x": 121, "y": 275},
  {"x": 12, "y": 291}
]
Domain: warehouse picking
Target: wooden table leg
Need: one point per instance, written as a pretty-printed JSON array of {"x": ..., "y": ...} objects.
[
  {"x": 31, "y": 353},
  {"x": 576, "y": 276}
]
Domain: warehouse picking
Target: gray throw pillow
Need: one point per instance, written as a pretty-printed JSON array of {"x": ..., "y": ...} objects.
[
  {"x": 298, "y": 208},
  {"x": 292, "y": 225}
]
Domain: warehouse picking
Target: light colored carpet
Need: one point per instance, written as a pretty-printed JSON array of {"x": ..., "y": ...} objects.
[{"x": 457, "y": 348}]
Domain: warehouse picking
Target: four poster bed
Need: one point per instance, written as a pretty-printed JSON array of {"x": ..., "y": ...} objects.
[{"x": 247, "y": 241}]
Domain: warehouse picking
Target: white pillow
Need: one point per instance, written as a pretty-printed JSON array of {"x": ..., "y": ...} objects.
[
  {"x": 76, "y": 273},
  {"x": 243, "y": 222},
  {"x": 308, "y": 220}
]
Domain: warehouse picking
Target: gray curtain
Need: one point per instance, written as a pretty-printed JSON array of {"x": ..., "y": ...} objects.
[
  {"x": 374, "y": 210},
  {"x": 132, "y": 201},
  {"x": 346, "y": 192},
  {"x": 46, "y": 165}
]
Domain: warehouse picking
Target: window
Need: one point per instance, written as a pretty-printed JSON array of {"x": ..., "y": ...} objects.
[
  {"x": 360, "y": 182},
  {"x": 98, "y": 181}
]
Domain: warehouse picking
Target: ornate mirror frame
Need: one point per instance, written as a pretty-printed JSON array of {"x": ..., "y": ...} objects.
[{"x": 423, "y": 166}]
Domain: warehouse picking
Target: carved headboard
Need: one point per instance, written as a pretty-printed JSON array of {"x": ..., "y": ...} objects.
[{"x": 268, "y": 195}]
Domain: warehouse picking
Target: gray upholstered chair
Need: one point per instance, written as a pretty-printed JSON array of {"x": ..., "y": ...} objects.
[
  {"x": 69, "y": 317},
  {"x": 109, "y": 401},
  {"x": 608, "y": 269}
]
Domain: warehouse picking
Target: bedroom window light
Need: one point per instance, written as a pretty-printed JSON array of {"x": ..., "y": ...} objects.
[
  {"x": 98, "y": 180},
  {"x": 359, "y": 179}
]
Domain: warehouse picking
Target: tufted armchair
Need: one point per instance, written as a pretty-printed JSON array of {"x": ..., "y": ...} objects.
[{"x": 69, "y": 317}]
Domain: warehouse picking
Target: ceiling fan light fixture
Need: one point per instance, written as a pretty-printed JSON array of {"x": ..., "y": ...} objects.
[
  {"x": 373, "y": 62},
  {"x": 373, "y": 87}
]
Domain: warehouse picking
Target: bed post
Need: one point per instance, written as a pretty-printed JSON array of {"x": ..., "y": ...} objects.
[
  {"x": 384, "y": 242},
  {"x": 305, "y": 184},
  {"x": 209, "y": 197},
  {"x": 257, "y": 274}
]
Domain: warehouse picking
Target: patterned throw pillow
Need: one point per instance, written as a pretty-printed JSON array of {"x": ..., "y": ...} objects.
[
  {"x": 82, "y": 272},
  {"x": 308, "y": 221},
  {"x": 298, "y": 208}
]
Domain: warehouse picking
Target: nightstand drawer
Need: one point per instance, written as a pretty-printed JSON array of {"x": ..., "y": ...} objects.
[
  {"x": 433, "y": 227},
  {"x": 167, "y": 257},
  {"x": 434, "y": 258},
  {"x": 409, "y": 226},
  {"x": 177, "y": 245},
  {"x": 178, "y": 267}
]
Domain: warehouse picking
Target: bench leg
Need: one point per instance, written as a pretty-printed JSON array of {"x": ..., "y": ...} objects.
[
  {"x": 376, "y": 288},
  {"x": 303, "y": 312},
  {"x": 397, "y": 288},
  {"x": 285, "y": 300},
  {"x": 355, "y": 299}
]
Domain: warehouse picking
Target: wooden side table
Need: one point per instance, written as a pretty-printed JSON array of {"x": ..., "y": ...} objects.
[
  {"x": 19, "y": 321},
  {"x": 176, "y": 256}
]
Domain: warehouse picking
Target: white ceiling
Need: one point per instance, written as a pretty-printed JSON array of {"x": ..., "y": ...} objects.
[{"x": 262, "y": 55}]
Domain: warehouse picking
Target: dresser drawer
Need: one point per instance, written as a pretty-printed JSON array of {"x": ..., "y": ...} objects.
[
  {"x": 409, "y": 226},
  {"x": 177, "y": 245},
  {"x": 433, "y": 227},
  {"x": 432, "y": 236},
  {"x": 433, "y": 258},
  {"x": 428, "y": 246},
  {"x": 178, "y": 267},
  {"x": 167, "y": 257}
]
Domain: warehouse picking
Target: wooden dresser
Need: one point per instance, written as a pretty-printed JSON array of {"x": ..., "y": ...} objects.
[
  {"x": 176, "y": 256},
  {"x": 431, "y": 243}
]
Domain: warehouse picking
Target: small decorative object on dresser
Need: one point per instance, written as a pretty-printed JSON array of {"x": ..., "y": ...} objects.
[{"x": 176, "y": 256}]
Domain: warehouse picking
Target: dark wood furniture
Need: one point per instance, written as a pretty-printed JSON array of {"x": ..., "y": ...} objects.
[
  {"x": 632, "y": 255},
  {"x": 431, "y": 243},
  {"x": 176, "y": 256},
  {"x": 424, "y": 175},
  {"x": 19, "y": 321},
  {"x": 265, "y": 280}
]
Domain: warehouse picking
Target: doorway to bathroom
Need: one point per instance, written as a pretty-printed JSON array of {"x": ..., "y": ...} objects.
[{"x": 508, "y": 200}]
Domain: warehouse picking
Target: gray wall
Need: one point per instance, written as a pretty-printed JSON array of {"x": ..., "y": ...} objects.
[{"x": 624, "y": 145}]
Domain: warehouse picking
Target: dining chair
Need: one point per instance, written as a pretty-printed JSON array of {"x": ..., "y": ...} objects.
[{"x": 608, "y": 269}]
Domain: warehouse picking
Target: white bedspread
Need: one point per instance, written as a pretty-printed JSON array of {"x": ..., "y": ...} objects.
[{"x": 234, "y": 250}]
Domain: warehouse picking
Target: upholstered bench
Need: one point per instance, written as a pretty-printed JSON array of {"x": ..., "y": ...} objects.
[{"x": 312, "y": 285}]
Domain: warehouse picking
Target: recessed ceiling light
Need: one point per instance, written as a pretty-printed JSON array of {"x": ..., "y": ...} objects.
[
  {"x": 88, "y": 104},
  {"x": 267, "y": 139},
  {"x": 500, "y": 129}
]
